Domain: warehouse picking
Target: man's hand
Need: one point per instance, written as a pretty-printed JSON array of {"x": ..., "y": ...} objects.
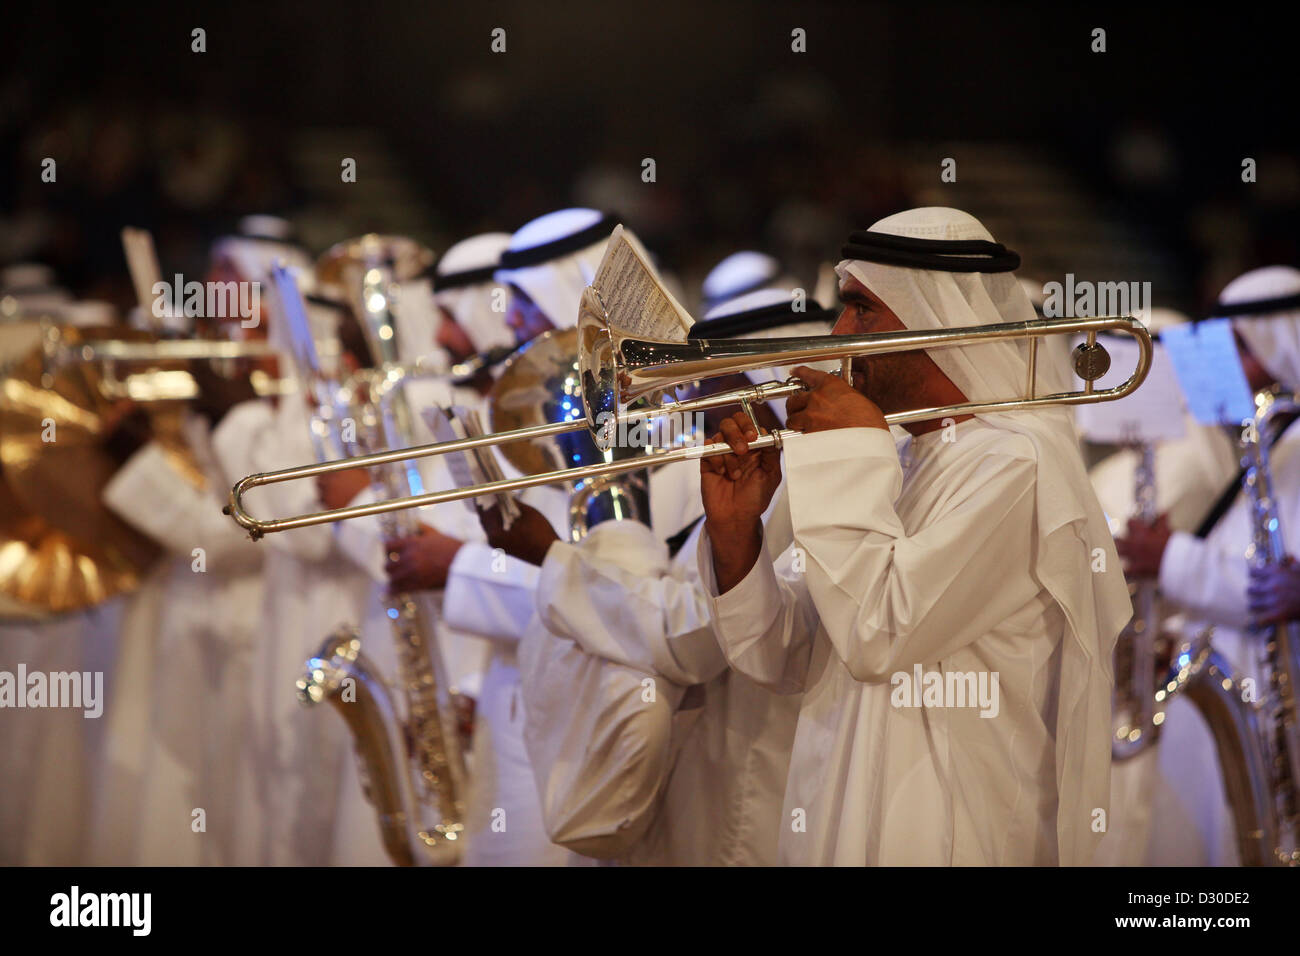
[
  {"x": 1273, "y": 595},
  {"x": 830, "y": 402},
  {"x": 1143, "y": 547},
  {"x": 420, "y": 562},
  {"x": 529, "y": 537},
  {"x": 737, "y": 488},
  {"x": 464, "y": 706},
  {"x": 336, "y": 488}
]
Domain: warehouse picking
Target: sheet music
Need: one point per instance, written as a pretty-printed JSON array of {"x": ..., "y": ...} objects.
[
  {"x": 1208, "y": 366},
  {"x": 635, "y": 300},
  {"x": 142, "y": 261},
  {"x": 474, "y": 467},
  {"x": 1153, "y": 413},
  {"x": 301, "y": 343}
]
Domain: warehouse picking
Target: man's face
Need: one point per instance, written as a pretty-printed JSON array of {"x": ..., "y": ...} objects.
[
  {"x": 525, "y": 317},
  {"x": 1259, "y": 377},
  {"x": 891, "y": 380},
  {"x": 452, "y": 337}
]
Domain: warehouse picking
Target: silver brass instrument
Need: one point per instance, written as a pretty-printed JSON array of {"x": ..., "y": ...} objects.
[
  {"x": 540, "y": 385},
  {"x": 371, "y": 715},
  {"x": 1137, "y": 714},
  {"x": 1255, "y": 742},
  {"x": 616, "y": 368},
  {"x": 1279, "y": 644},
  {"x": 416, "y": 770}
]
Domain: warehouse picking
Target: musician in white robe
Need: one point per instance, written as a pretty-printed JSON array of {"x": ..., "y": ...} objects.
[
  {"x": 430, "y": 331},
  {"x": 704, "y": 787},
  {"x": 546, "y": 265},
  {"x": 176, "y": 731},
  {"x": 178, "y": 714},
  {"x": 1190, "y": 472},
  {"x": 1205, "y": 574},
  {"x": 972, "y": 557},
  {"x": 50, "y": 757},
  {"x": 300, "y": 758}
]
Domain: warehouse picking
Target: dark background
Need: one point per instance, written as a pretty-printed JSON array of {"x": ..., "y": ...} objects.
[{"x": 1123, "y": 165}]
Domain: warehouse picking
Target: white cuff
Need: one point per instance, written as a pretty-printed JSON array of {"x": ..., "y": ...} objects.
[
  {"x": 855, "y": 470},
  {"x": 750, "y": 606},
  {"x": 1181, "y": 552},
  {"x": 489, "y": 593},
  {"x": 359, "y": 539}
]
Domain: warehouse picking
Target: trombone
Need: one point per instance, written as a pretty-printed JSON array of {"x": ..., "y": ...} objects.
[
  {"x": 618, "y": 367},
  {"x": 62, "y": 347}
]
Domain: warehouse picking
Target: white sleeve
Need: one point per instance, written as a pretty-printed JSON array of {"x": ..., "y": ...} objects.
[
  {"x": 360, "y": 540},
  {"x": 888, "y": 599},
  {"x": 765, "y": 625},
  {"x": 249, "y": 440},
  {"x": 1207, "y": 580},
  {"x": 616, "y": 595},
  {"x": 149, "y": 494},
  {"x": 489, "y": 593}
]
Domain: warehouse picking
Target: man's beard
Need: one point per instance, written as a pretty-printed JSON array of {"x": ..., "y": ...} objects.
[{"x": 893, "y": 383}]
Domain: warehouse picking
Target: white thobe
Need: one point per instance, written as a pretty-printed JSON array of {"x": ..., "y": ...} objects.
[
  {"x": 717, "y": 783},
  {"x": 493, "y": 595},
  {"x": 485, "y": 606},
  {"x": 297, "y": 754},
  {"x": 51, "y": 759},
  {"x": 1190, "y": 472},
  {"x": 180, "y": 695},
  {"x": 1207, "y": 579},
  {"x": 884, "y": 568}
]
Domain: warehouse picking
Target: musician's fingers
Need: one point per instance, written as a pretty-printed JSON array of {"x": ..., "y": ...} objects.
[
  {"x": 796, "y": 403},
  {"x": 746, "y": 426},
  {"x": 810, "y": 376},
  {"x": 733, "y": 436},
  {"x": 713, "y": 464}
]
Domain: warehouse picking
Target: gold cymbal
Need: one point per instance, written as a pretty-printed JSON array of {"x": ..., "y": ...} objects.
[
  {"x": 406, "y": 257},
  {"x": 60, "y": 547},
  {"x": 43, "y": 570}
]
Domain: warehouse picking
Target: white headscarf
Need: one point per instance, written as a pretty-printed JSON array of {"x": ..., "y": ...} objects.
[
  {"x": 1273, "y": 338},
  {"x": 1070, "y": 524},
  {"x": 762, "y": 299},
  {"x": 253, "y": 259},
  {"x": 738, "y": 274},
  {"x": 556, "y": 285},
  {"x": 1159, "y": 318},
  {"x": 471, "y": 305}
]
